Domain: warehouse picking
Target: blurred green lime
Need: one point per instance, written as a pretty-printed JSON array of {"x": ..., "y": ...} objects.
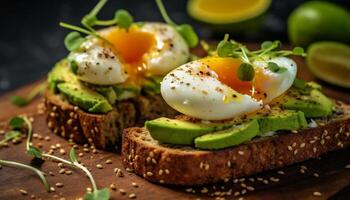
[
  {"x": 330, "y": 61},
  {"x": 318, "y": 20},
  {"x": 229, "y": 14}
]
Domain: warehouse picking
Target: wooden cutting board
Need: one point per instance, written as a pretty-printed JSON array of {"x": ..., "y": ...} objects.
[{"x": 332, "y": 177}]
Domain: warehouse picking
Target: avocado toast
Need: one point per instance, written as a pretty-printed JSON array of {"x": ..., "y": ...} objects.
[
  {"x": 110, "y": 80},
  {"x": 203, "y": 145}
]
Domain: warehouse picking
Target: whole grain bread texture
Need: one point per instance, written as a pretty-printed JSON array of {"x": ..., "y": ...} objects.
[
  {"x": 176, "y": 165},
  {"x": 102, "y": 130}
]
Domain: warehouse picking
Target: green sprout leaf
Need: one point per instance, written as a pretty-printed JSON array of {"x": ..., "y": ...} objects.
[
  {"x": 123, "y": 18},
  {"x": 298, "y": 51},
  {"x": 266, "y": 45},
  {"x": 73, "y": 156},
  {"x": 11, "y": 135},
  {"x": 17, "y": 122},
  {"x": 102, "y": 194},
  {"x": 225, "y": 49},
  {"x": 33, "y": 151},
  {"x": 19, "y": 101},
  {"x": 275, "y": 68},
  {"x": 73, "y": 41},
  {"x": 246, "y": 72},
  {"x": 187, "y": 32}
]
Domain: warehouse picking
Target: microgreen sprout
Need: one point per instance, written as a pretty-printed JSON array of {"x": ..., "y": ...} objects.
[
  {"x": 185, "y": 30},
  {"x": 23, "y": 101},
  {"x": 23, "y": 121},
  {"x": 73, "y": 40},
  {"x": 28, "y": 167}
]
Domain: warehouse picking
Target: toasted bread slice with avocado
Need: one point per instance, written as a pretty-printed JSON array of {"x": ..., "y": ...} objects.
[
  {"x": 185, "y": 165},
  {"x": 102, "y": 130}
]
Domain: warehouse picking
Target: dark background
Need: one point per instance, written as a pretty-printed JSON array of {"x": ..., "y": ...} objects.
[{"x": 31, "y": 40}]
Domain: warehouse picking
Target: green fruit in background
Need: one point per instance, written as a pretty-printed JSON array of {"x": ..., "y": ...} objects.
[
  {"x": 330, "y": 61},
  {"x": 229, "y": 15},
  {"x": 318, "y": 20}
]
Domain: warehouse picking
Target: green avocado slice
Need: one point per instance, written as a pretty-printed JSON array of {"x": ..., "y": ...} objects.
[
  {"x": 314, "y": 105},
  {"x": 175, "y": 131},
  {"x": 84, "y": 97},
  {"x": 60, "y": 73},
  {"x": 229, "y": 137},
  {"x": 282, "y": 120}
]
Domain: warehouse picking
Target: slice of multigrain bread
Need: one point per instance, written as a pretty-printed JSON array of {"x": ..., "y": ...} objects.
[
  {"x": 187, "y": 166},
  {"x": 102, "y": 130}
]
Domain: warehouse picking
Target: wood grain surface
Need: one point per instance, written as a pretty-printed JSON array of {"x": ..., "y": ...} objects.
[{"x": 332, "y": 181}]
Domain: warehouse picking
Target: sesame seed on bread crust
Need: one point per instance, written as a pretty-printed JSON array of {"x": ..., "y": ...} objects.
[
  {"x": 102, "y": 130},
  {"x": 177, "y": 165}
]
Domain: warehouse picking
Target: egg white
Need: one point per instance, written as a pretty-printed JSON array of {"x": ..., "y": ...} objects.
[
  {"x": 99, "y": 64},
  {"x": 194, "y": 90}
]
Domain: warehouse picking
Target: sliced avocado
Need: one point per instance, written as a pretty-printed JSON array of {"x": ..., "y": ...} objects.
[
  {"x": 314, "y": 105},
  {"x": 84, "y": 97},
  {"x": 152, "y": 84},
  {"x": 59, "y": 74},
  {"x": 126, "y": 91},
  {"x": 107, "y": 92},
  {"x": 229, "y": 137},
  {"x": 282, "y": 120},
  {"x": 175, "y": 131}
]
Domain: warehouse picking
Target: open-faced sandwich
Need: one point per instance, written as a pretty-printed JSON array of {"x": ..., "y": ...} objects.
[
  {"x": 243, "y": 112},
  {"x": 111, "y": 78}
]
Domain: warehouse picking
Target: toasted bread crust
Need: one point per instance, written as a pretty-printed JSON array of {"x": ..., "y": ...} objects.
[
  {"x": 101, "y": 130},
  {"x": 187, "y": 166}
]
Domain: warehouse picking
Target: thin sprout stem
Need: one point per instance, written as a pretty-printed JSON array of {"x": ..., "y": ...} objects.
[
  {"x": 245, "y": 57},
  {"x": 98, "y": 7},
  {"x": 105, "y": 22},
  {"x": 76, "y": 165},
  {"x": 226, "y": 37},
  {"x": 20, "y": 165},
  {"x": 75, "y": 28},
  {"x": 89, "y": 175},
  {"x": 30, "y": 132},
  {"x": 164, "y": 13}
]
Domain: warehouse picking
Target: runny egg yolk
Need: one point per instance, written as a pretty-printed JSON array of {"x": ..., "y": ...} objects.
[
  {"x": 226, "y": 69},
  {"x": 131, "y": 45}
]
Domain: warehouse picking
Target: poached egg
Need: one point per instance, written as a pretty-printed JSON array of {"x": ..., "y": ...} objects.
[
  {"x": 210, "y": 89},
  {"x": 147, "y": 49}
]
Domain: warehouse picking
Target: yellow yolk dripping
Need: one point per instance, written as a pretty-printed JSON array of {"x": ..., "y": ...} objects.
[
  {"x": 131, "y": 45},
  {"x": 226, "y": 69}
]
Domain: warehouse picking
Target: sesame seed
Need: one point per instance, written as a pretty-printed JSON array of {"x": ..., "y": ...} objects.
[
  {"x": 347, "y": 166},
  {"x": 236, "y": 193},
  {"x": 295, "y": 151},
  {"x": 189, "y": 190},
  {"x": 206, "y": 167},
  {"x": 241, "y": 153},
  {"x": 68, "y": 172},
  {"x": 62, "y": 152},
  {"x": 52, "y": 189},
  {"x": 252, "y": 180},
  {"x": 314, "y": 149},
  {"x": 244, "y": 191},
  {"x": 113, "y": 187},
  {"x": 290, "y": 148},
  {"x": 122, "y": 191},
  {"x": 294, "y": 131},
  {"x": 99, "y": 166},
  {"x": 303, "y": 167},
  {"x": 134, "y": 184},
  {"x": 154, "y": 161},
  {"x": 108, "y": 161},
  {"x": 201, "y": 165},
  {"x": 265, "y": 181},
  {"x": 294, "y": 144},
  {"x": 302, "y": 145},
  {"x": 322, "y": 141},
  {"x": 62, "y": 171},
  {"x": 132, "y": 196},
  {"x": 228, "y": 163},
  {"x": 273, "y": 179},
  {"x": 23, "y": 192},
  {"x": 250, "y": 188},
  {"x": 317, "y": 194},
  {"x": 161, "y": 181},
  {"x": 59, "y": 185},
  {"x": 149, "y": 173},
  {"x": 160, "y": 172},
  {"x": 302, "y": 171},
  {"x": 204, "y": 190},
  {"x": 88, "y": 189},
  {"x": 167, "y": 171},
  {"x": 316, "y": 175},
  {"x": 280, "y": 172},
  {"x": 81, "y": 154}
]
